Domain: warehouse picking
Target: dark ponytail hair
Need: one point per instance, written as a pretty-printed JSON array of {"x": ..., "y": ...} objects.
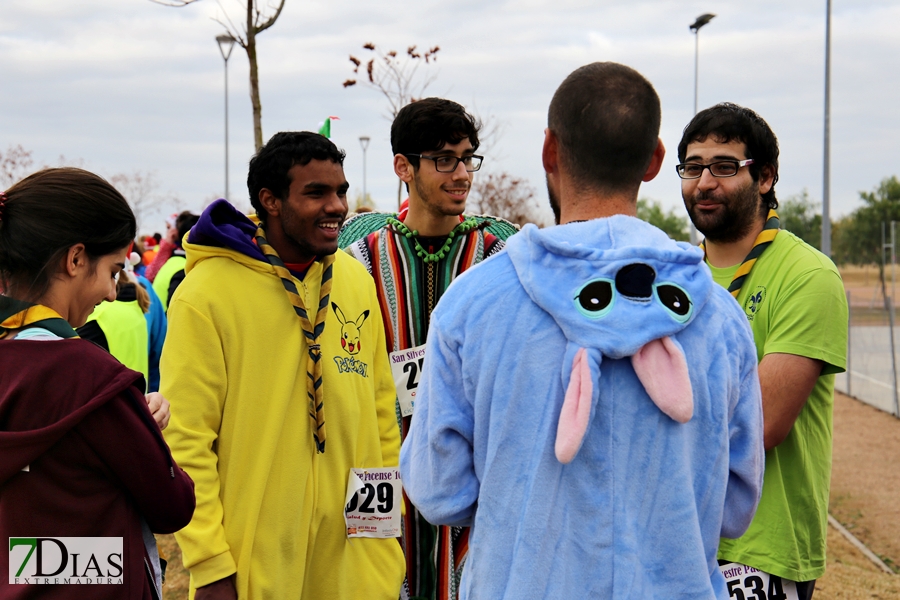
[{"x": 47, "y": 213}]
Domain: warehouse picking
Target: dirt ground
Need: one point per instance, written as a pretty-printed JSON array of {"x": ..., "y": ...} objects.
[
  {"x": 864, "y": 284},
  {"x": 865, "y": 498}
]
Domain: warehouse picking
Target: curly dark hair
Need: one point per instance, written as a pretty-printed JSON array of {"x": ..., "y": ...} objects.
[
  {"x": 428, "y": 124},
  {"x": 270, "y": 167},
  {"x": 728, "y": 122}
]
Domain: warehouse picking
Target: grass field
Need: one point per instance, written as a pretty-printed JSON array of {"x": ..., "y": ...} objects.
[{"x": 851, "y": 576}]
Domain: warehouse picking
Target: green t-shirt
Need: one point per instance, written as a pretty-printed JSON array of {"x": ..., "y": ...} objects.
[{"x": 795, "y": 301}]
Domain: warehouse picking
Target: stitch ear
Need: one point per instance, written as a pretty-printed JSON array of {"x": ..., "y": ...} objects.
[
  {"x": 662, "y": 368},
  {"x": 339, "y": 313},
  {"x": 577, "y": 409},
  {"x": 362, "y": 319}
]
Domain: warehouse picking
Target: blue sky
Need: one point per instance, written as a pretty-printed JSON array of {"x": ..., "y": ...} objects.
[{"x": 128, "y": 85}]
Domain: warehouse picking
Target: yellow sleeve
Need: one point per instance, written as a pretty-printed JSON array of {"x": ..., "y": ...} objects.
[
  {"x": 193, "y": 380},
  {"x": 385, "y": 393}
]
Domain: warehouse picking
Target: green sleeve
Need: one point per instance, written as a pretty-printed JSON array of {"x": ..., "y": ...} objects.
[{"x": 810, "y": 319}]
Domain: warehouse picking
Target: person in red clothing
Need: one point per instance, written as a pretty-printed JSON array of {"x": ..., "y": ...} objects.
[{"x": 82, "y": 457}]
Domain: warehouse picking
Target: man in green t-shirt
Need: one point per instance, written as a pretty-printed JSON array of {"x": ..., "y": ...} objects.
[{"x": 794, "y": 298}]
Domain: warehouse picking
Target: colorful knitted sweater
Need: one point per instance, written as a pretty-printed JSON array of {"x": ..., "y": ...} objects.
[{"x": 408, "y": 289}]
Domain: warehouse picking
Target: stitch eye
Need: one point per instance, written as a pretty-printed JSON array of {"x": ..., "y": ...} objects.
[
  {"x": 676, "y": 300},
  {"x": 595, "y": 299}
]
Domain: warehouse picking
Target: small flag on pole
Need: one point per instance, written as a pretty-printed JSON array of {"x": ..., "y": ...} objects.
[{"x": 325, "y": 129}]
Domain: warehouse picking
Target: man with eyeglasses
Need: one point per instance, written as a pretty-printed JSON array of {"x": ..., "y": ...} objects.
[
  {"x": 794, "y": 299},
  {"x": 414, "y": 256}
]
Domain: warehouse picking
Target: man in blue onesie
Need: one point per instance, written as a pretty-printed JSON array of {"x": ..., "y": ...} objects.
[{"x": 589, "y": 402}]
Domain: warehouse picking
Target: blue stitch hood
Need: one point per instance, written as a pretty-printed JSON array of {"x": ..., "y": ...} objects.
[
  {"x": 616, "y": 287},
  {"x": 606, "y": 251}
]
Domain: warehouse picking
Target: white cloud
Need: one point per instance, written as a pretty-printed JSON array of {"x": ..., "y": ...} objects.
[{"x": 133, "y": 85}]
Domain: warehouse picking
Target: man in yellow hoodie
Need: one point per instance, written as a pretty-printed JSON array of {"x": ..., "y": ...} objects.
[{"x": 279, "y": 383}]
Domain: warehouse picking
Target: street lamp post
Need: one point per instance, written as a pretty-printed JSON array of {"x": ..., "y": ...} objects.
[
  {"x": 364, "y": 142},
  {"x": 226, "y": 45},
  {"x": 826, "y": 159},
  {"x": 695, "y": 27}
]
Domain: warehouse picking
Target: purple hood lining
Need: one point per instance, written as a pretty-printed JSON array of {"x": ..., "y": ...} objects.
[{"x": 223, "y": 226}]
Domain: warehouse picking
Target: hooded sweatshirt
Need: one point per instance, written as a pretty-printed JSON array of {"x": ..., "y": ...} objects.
[
  {"x": 80, "y": 456},
  {"x": 610, "y": 326},
  {"x": 234, "y": 367}
]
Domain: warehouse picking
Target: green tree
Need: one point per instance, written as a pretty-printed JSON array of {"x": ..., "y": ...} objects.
[
  {"x": 857, "y": 237},
  {"x": 802, "y": 217},
  {"x": 675, "y": 225}
]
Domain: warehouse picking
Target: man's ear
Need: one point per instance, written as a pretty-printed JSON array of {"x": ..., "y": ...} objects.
[
  {"x": 404, "y": 170},
  {"x": 766, "y": 178},
  {"x": 269, "y": 202},
  {"x": 656, "y": 161},
  {"x": 550, "y": 152}
]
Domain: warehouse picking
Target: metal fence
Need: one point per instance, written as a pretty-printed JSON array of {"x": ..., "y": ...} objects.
[
  {"x": 871, "y": 366},
  {"x": 873, "y": 336}
]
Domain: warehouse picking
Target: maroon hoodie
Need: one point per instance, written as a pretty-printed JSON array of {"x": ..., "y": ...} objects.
[{"x": 97, "y": 462}]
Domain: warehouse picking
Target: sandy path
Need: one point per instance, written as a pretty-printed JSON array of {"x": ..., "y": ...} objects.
[
  {"x": 865, "y": 498},
  {"x": 865, "y": 481}
]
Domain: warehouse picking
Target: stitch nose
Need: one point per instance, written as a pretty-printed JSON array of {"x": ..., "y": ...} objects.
[{"x": 635, "y": 281}]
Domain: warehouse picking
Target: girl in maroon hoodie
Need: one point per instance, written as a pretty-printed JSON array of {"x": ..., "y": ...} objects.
[{"x": 81, "y": 453}]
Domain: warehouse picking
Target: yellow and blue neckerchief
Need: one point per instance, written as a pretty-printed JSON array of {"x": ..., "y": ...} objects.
[
  {"x": 16, "y": 315},
  {"x": 765, "y": 237}
]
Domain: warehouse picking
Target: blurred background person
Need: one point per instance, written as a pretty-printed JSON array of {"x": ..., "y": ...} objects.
[
  {"x": 167, "y": 269},
  {"x": 119, "y": 327}
]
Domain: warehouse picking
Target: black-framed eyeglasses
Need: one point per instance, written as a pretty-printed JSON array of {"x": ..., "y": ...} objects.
[
  {"x": 448, "y": 164},
  {"x": 721, "y": 168}
]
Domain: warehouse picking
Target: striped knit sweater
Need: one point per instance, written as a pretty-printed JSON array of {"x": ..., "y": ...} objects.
[{"x": 408, "y": 290}]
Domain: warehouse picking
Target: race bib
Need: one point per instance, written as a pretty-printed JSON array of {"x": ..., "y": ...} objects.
[
  {"x": 406, "y": 365},
  {"x": 747, "y": 583},
  {"x": 372, "y": 506}
]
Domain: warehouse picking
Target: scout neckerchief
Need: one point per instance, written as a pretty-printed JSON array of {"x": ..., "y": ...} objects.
[
  {"x": 18, "y": 314},
  {"x": 314, "y": 365},
  {"x": 765, "y": 237}
]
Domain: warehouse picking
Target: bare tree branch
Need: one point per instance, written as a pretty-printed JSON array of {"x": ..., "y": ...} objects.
[
  {"x": 14, "y": 165},
  {"x": 490, "y": 131},
  {"x": 140, "y": 190},
  {"x": 395, "y": 76},
  {"x": 174, "y": 3},
  {"x": 502, "y": 195},
  {"x": 271, "y": 21},
  {"x": 230, "y": 28},
  {"x": 238, "y": 38},
  {"x": 256, "y": 23}
]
